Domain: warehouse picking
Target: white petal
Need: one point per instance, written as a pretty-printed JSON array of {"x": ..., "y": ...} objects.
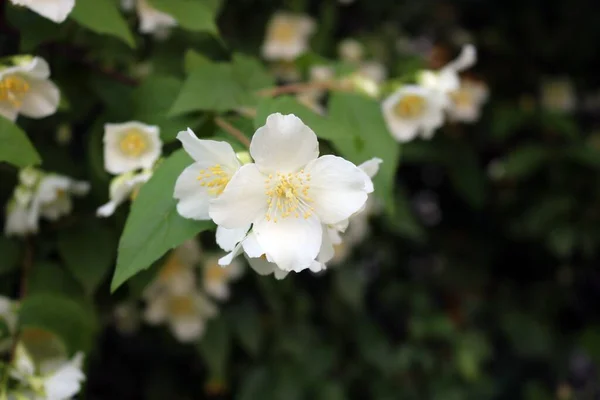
[
  {"x": 156, "y": 310},
  {"x": 228, "y": 238},
  {"x": 466, "y": 59},
  {"x": 261, "y": 266},
  {"x": 280, "y": 274},
  {"x": 41, "y": 100},
  {"x": 337, "y": 188},
  {"x": 218, "y": 290},
  {"x": 291, "y": 243},
  {"x": 326, "y": 252},
  {"x": 228, "y": 259},
  {"x": 65, "y": 382},
  {"x": 187, "y": 329},
  {"x": 251, "y": 246},
  {"x": 193, "y": 199},
  {"x": 56, "y": 10},
  {"x": 243, "y": 201},
  {"x": 371, "y": 167},
  {"x": 38, "y": 68},
  {"x": 8, "y": 111},
  {"x": 283, "y": 144},
  {"x": 210, "y": 151}
]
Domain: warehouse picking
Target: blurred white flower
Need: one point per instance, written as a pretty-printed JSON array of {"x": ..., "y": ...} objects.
[
  {"x": 151, "y": 20},
  {"x": 447, "y": 79},
  {"x": 312, "y": 98},
  {"x": 25, "y": 89},
  {"x": 130, "y": 146},
  {"x": 466, "y": 101},
  {"x": 288, "y": 193},
  {"x": 558, "y": 95},
  {"x": 121, "y": 188},
  {"x": 216, "y": 278},
  {"x": 413, "y": 110},
  {"x": 351, "y": 50},
  {"x": 287, "y": 36},
  {"x": 54, "y": 10},
  {"x": 373, "y": 70},
  {"x": 185, "y": 313},
  {"x": 17, "y": 213}
]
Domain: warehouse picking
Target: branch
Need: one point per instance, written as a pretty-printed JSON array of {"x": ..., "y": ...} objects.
[
  {"x": 300, "y": 87},
  {"x": 233, "y": 131}
]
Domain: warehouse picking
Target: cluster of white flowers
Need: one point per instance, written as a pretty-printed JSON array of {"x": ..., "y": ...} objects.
[
  {"x": 179, "y": 297},
  {"x": 131, "y": 150},
  {"x": 40, "y": 195},
  {"x": 419, "y": 109},
  {"x": 279, "y": 209},
  {"x": 39, "y": 368}
]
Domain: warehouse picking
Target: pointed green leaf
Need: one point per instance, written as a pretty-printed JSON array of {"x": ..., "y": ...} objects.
[
  {"x": 16, "y": 148},
  {"x": 104, "y": 17},
  {"x": 193, "y": 15}
]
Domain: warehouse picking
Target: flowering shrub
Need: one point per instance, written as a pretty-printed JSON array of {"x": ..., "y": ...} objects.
[{"x": 200, "y": 205}]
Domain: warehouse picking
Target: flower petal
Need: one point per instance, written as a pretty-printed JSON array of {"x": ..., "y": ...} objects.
[
  {"x": 338, "y": 188},
  {"x": 210, "y": 151},
  {"x": 251, "y": 246},
  {"x": 187, "y": 328},
  {"x": 41, "y": 100},
  {"x": 291, "y": 243},
  {"x": 56, "y": 11},
  {"x": 194, "y": 199},
  {"x": 283, "y": 144},
  {"x": 228, "y": 238},
  {"x": 243, "y": 201},
  {"x": 371, "y": 167}
]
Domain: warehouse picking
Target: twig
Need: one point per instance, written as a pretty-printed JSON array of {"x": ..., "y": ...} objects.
[
  {"x": 233, "y": 131},
  {"x": 299, "y": 87}
]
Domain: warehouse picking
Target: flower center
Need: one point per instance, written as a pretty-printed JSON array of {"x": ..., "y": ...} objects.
[
  {"x": 214, "y": 272},
  {"x": 171, "y": 268},
  {"x": 287, "y": 195},
  {"x": 181, "y": 305},
  {"x": 462, "y": 98},
  {"x": 214, "y": 179},
  {"x": 133, "y": 143},
  {"x": 283, "y": 32},
  {"x": 410, "y": 106},
  {"x": 12, "y": 89}
]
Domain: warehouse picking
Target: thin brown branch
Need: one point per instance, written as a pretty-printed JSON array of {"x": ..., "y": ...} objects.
[
  {"x": 299, "y": 87},
  {"x": 233, "y": 131}
]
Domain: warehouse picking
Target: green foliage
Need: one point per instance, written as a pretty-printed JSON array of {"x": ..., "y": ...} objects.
[
  {"x": 144, "y": 239},
  {"x": 16, "y": 147},
  {"x": 190, "y": 14},
  {"x": 104, "y": 17}
]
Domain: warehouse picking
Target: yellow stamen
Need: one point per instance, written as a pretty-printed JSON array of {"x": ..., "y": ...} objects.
[
  {"x": 461, "y": 97},
  {"x": 214, "y": 179},
  {"x": 172, "y": 267},
  {"x": 181, "y": 305},
  {"x": 288, "y": 195},
  {"x": 410, "y": 106},
  {"x": 283, "y": 31},
  {"x": 134, "y": 143},
  {"x": 13, "y": 89},
  {"x": 214, "y": 272}
]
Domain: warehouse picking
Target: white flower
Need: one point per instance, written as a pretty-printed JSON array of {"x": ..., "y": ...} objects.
[
  {"x": 413, "y": 110},
  {"x": 17, "y": 213},
  {"x": 25, "y": 89},
  {"x": 311, "y": 98},
  {"x": 447, "y": 79},
  {"x": 287, "y": 36},
  {"x": 177, "y": 274},
  {"x": 289, "y": 193},
  {"x": 350, "y": 50},
  {"x": 54, "y": 10},
  {"x": 153, "y": 20},
  {"x": 122, "y": 187},
  {"x": 215, "y": 278},
  {"x": 130, "y": 146},
  {"x": 214, "y": 164},
  {"x": 558, "y": 95},
  {"x": 185, "y": 313},
  {"x": 52, "y": 197},
  {"x": 467, "y": 100},
  {"x": 65, "y": 382},
  {"x": 373, "y": 70}
]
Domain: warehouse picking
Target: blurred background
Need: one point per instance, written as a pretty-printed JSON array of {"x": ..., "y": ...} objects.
[{"x": 486, "y": 283}]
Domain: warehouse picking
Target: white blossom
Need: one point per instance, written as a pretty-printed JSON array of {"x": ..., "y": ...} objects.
[
  {"x": 216, "y": 278},
  {"x": 25, "y": 89},
  {"x": 54, "y": 10},
  {"x": 289, "y": 193},
  {"x": 287, "y": 36},
  {"x": 466, "y": 101},
  {"x": 151, "y": 19},
  {"x": 130, "y": 146},
  {"x": 412, "y": 111},
  {"x": 351, "y": 50},
  {"x": 121, "y": 188},
  {"x": 447, "y": 79}
]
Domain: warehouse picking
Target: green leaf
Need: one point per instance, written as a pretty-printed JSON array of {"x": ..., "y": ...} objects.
[
  {"x": 366, "y": 137},
  {"x": 16, "y": 148},
  {"x": 104, "y": 17},
  {"x": 193, "y": 60},
  {"x": 9, "y": 255},
  {"x": 465, "y": 173},
  {"x": 154, "y": 226},
  {"x": 88, "y": 251},
  {"x": 221, "y": 86},
  {"x": 525, "y": 161},
  {"x": 152, "y": 100},
  {"x": 215, "y": 347},
  {"x": 60, "y": 315},
  {"x": 193, "y": 15},
  {"x": 49, "y": 277},
  {"x": 245, "y": 321}
]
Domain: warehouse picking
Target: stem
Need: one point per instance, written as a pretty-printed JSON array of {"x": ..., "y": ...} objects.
[
  {"x": 299, "y": 87},
  {"x": 233, "y": 131}
]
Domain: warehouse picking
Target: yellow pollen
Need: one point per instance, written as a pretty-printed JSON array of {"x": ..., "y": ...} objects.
[
  {"x": 461, "y": 97},
  {"x": 214, "y": 179},
  {"x": 282, "y": 31},
  {"x": 134, "y": 143},
  {"x": 12, "y": 89},
  {"x": 410, "y": 106},
  {"x": 288, "y": 196},
  {"x": 214, "y": 272},
  {"x": 181, "y": 305},
  {"x": 172, "y": 267}
]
